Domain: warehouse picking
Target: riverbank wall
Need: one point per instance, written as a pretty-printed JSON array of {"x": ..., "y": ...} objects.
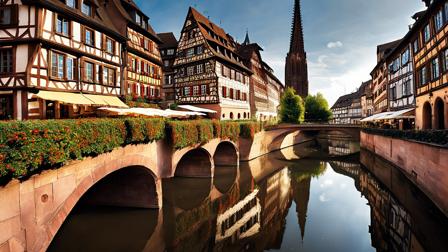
[{"x": 425, "y": 164}]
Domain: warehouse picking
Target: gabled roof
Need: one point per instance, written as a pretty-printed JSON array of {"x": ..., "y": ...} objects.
[
  {"x": 388, "y": 47},
  {"x": 168, "y": 40},
  {"x": 346, "y": 100},
  {"x": 365, "y": 89},
  {"x": 215, "y": 35},
  {"x": 100, "y": 20},
  {"x": 123, "y": 6}
]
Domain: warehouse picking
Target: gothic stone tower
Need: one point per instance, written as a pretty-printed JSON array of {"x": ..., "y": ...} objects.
[{"x": 296, "y": 75}]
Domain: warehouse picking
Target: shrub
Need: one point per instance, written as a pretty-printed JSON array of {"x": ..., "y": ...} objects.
[
  {"x": 230, "y": 130},
  {"x": 439, "y": 137},
  {"x": 183, "y": 134},
  {"x": 249, "y": 129}
]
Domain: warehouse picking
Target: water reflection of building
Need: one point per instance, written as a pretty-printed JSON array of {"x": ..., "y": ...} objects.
[
  {"x": 342, "y": 147},
  {"x": 390, "y": 228},
  {"x": 241, "y": 220}
]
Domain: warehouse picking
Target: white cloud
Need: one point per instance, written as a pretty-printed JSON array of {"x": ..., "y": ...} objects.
[
  {"x": 335, "y": 44},
  {"x": 323, "y": 198}
]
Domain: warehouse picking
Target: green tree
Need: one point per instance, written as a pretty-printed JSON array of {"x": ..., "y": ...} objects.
[
  {"x": 317, "y": 109},
  {"x": 292, "y": 109}
]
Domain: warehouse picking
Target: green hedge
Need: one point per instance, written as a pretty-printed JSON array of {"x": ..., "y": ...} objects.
[
  {"x": 190, "y": 133},
  {"x": 27, "y": 147},
  {"x": 30, "y": 146},
  {"x": 439, "y": 137}
]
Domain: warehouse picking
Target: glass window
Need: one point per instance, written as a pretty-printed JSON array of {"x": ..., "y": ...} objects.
[
  {"x": 204, "y": 89},
  {"x": 445, "y": 60},
  {"x": 60, "y": 66},
  {"x": 62, "y": 26},
  {"x": 190, "y": 52},
  {"x": 6, "y": 14},
  {"x": 108, "y": 76},
  {"x": 6, "y": 64},
  {"x": 109, "y": 45},
  {"x": 427, "y": 33},
  {"x": 423, "y": 76},
  {"x": 88, "y": 71},
  {"x": 166, "y": 63},
  {"x": 71, "y": 3},
  {"x": 70, "y": 68},
  {"x": 438, "y": 20},
  {"x": 186, "y": 91},
  {"x": 199, "y": 49},
  {"x": 86, "y": 8},
  {"x": 435, "y": 70},
  {"x": 405, "y": 57},
  {"x": 190, "y": 70},
  {"x": 200, "y": 68},
  {"x": 89, "y": 37},
  {"x": 138, "y": 18},
  {"x": 170, "y": 52},
  {"x": 195, "y": 90}
]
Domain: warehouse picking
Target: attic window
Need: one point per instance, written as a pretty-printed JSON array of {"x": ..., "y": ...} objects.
[
  {"x": 71, "y": 3},
  {"x": 87, "y": 9}
]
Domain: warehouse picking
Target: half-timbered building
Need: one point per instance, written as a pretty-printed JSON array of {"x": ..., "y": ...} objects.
[
  {"x": 209, "y": 72},
  {"x": 142, "y": 73},
  {"x": 258, "y": 86},
  {"x": 429, "y": 36},
  {"x": 275, "y": 90},
  {"x": 401, "y": 94},
  {"x": 168, "y": 50},
  {"x": 380, "y": 78},
  {"x": 57, "y": 58}
]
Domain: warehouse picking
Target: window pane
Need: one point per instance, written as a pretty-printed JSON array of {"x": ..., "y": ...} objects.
[
  {"x": 71, "y": 3},
  {"x": 61, "y": 66},
  {"x": 6, "y": 16},
  {"x": 70, "y": 68},
  {"x": 86, "y": 9}
]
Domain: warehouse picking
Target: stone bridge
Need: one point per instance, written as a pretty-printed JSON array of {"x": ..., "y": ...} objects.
[{"x": 32, "y": 211}]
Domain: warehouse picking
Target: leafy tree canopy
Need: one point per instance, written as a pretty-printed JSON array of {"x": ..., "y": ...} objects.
[
  {"x": 292, "y": 109},
  {"x": 317, "y": 109}
]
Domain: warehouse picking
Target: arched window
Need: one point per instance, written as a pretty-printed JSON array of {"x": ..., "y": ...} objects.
[{"x": 231, "y": 115}]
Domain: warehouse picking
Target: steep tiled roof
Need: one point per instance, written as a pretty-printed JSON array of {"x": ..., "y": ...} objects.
[
  {"x": 100, "y": 20},
  {"x": 168, "y": 40},
  {"x": 123, "y": 5},
  {"x": 215, "y": 35}
]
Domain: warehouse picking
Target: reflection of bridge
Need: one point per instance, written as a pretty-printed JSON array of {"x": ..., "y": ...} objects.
[
  {"x": 351, "y": 130},
  {"x": 129, "y": 176}
]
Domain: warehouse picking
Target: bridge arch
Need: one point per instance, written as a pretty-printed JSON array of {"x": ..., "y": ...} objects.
[
  {"x": 117, "y": 181},
  {"x": 226, "y": 154},
  {"x": 195, "y": 163}
]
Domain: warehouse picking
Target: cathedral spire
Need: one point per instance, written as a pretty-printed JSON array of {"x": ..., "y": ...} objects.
[
  {"x": 297, "y": 44},
  {"x": 246, "y": 40},
  {"x": 296, "y": 70}
]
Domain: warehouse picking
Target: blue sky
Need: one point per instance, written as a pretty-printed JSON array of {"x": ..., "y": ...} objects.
[{"x": 340, "y": 35}]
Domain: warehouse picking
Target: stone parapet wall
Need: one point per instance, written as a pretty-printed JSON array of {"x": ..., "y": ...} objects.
[{"x": 425, "y": 164}]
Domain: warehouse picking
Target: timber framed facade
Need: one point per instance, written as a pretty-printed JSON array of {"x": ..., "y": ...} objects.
[
  {"x": 430, "y": 35},
  {"x": 209, "y": 73},
  {"x": 168, "y": 50},
  {"x": 59, "y": 46},
  {"x": 142, "y": 72}
]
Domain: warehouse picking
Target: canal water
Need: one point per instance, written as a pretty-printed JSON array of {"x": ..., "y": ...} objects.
[{"x": 311, "y": 197}]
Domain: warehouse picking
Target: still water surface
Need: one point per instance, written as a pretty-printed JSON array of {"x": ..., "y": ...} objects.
[{"x": 324, "y": 201}]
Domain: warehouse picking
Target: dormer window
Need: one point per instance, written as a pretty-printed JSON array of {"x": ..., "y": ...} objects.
[
  {"x": 87, "y": 9},
  {"x": 138, "y": 18},
  {"x": 71, "y": 3}
]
